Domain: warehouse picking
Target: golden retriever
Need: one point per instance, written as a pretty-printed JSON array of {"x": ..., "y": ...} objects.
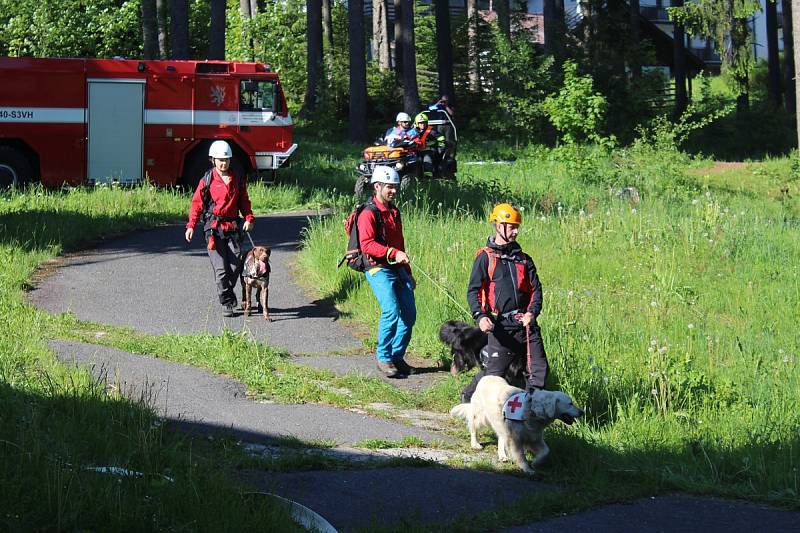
[{"x": 538, "y": 410}]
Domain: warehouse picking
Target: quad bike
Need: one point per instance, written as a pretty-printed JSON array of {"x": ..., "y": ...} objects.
[
  {"x": 403, "y": 159},
  {"x": 406, "y": 158}
]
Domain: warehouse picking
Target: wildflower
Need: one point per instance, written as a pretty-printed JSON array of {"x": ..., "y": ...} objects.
[
  {"x": 654, "y": 392},
  {"x": 656, "y": 248},
  {"x": 708, "y": 194},
  {"x": 663, "y": 349},
  {"x": 690, "y": 325},
  {"x": 653, "y": 342},
  {"x": 570, "y": 293},
  {"x": 786, "y": 359},
  {"x": 653, "y": 303},
  {"x": 633, "y": 210},
  {"x": 695, "y": 201}
]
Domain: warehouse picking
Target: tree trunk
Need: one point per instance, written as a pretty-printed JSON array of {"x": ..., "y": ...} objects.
[
  {"x": 410, "y": 92},
  {"x": 381, "y": 48},
  {"x": 179, "y": 28},
  {"x": 357, "y": 129},
  {"x": 472, "y": 46},
  {"x": 773, "y": 62},
  {"x": 634, "y": 53},
  {"x": 679, "y": 64},
  {"x": 788, "y": 56},
  {"x": 444, "y": 49},
  {"x": 550, "y": 27},
  {"x": 327, "y": 26},
  {"x": 313, "y": 55},
  {"x": 149, "y": 29},
  {"x": 796, "y": 50},
  {"x": 246, "y": 10},
  {"x": 398, "y": 38},
  {"x": 216, "y": 36},
  {"x": 161, "y": 18},
  {"x": 503, "y": 17}
]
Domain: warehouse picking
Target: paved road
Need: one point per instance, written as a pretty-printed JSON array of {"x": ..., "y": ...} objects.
[
  {"x": 206, "y": 402},
  {"x": 153, "y": 282}
]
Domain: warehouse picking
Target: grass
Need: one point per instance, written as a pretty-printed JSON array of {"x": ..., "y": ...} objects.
[{"x": 672, "y": 322}]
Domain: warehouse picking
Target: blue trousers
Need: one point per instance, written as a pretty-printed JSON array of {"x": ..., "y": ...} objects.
[{"x": 395, "y": 293}]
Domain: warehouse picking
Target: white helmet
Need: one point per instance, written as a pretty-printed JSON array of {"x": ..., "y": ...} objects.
[
  {"x": 402, "y": 116},
  {"x": 220, "y": 150},
  {"x": 384, "y": 174}
]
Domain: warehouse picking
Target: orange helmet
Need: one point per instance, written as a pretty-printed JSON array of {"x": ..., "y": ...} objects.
[{"x": 505, "y": 213}]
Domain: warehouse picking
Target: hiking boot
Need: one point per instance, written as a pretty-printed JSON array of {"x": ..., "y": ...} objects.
[
  {"x": 404, "y": 367},
  {"x": 228, "y": 310},
  {"x": 390, "y": 370}
]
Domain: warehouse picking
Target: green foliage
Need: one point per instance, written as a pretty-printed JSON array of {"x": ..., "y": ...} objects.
[
  {"x": 576, "y": 110},
  {"x": 727, "y": 22},
  {"x": 70, "y": 28},
  {"x": 278, "y": 36},
  {"x": 664, "y": 134},
  {"x": 520, "y": 78}
]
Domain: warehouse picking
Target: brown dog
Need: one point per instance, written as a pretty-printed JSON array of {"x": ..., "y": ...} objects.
[{"x": 255, "y": 274}]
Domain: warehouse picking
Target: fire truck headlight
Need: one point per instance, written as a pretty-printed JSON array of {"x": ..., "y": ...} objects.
[{"x": 264, "y": 161}]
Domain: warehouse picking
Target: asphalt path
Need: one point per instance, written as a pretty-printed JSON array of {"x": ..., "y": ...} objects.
[
  {"x": 154, "y": 282},
  {"x": 203, "y": 402}
]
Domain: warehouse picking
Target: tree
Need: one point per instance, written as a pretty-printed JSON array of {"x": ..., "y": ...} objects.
[
  {"x": 327, "y": 26},
  {"x": 726, "y": 22},
  {"x": 635, "y": 62},
  {"x": 381, "y": 48},
  {"x": 398, "y": 38},
  {"x": 788, "y": 56},
  {"x": 679, "y": 64},
  {"x": 503, "y": 17},
  {"x": 248, "y": 10},
  {"x": 216, "y": 36},
  {"x": 796, "y": 49},
  {"x": 773, "y": 63},
  {"x": 472, "y": 46},
  {"x": 444, "y": 48},
  {"x": 410, "y": 92},
  {"x": 161, "y": 17},
  {"x": 313, "y": 54},
  {"x": 149, "y": 29},
  {"x": 357, "y": 129},
  {"x": 179, "y": 28}
]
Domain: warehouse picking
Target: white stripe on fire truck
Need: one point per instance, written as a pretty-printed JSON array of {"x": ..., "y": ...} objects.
[
  {"x": 38, "y": 115},
  {"x": 77, "y": 115}
]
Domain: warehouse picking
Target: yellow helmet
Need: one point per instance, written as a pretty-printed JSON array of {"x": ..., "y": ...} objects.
[{"x": 505, "y": 213}]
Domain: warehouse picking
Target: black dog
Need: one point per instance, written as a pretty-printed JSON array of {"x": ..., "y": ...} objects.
[{"x": 466, "y": 343}]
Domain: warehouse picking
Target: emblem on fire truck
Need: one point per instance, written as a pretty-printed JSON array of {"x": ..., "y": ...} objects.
[{"x": 217, "y": 95}]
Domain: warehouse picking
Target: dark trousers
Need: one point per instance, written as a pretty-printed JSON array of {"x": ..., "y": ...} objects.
[
  {"x": 226, "y": 262},
  {"x": 507, "y": 346}
]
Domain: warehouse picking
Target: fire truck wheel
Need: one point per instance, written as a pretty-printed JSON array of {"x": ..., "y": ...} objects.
[{"x": 15, "y": 169}]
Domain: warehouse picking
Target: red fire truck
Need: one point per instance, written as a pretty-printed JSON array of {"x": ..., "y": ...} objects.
[{"x": 74, "y": 121}]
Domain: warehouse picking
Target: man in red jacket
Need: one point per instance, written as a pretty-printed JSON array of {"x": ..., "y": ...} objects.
[
  {"x": 380, "y": 232},
  {"x": 219, "y": 207}
]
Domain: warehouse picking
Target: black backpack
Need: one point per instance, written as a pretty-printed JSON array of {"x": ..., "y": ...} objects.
[{"x": 354, "y": 257}]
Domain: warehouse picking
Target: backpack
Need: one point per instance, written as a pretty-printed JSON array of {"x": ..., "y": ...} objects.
[{"x": 354, "y": 257}]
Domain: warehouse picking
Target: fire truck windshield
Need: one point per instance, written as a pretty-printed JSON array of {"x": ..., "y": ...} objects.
[{"x": 257, "y": 95}]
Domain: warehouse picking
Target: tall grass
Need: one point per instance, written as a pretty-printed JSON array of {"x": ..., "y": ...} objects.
[{"x": 674, "y": 321}]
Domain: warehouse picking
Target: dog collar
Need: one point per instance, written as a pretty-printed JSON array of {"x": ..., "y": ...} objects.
[{"x": 514, "y": 407}]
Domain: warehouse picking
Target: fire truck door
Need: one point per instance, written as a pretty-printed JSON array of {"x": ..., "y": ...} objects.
[{"x": 116, "y": 130}]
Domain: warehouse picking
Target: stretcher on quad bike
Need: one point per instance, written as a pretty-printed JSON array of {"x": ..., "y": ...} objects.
[{"x": 437, "y": 160}]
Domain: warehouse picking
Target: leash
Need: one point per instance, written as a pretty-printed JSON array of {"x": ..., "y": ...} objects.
[
  {"x": 252, "y": 244},
  {"x": 528, "y": 345},
  {"x": 444, "y": 291}
]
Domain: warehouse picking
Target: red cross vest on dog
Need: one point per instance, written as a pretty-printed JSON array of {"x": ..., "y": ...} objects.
[{"x": 514, "y": 408}]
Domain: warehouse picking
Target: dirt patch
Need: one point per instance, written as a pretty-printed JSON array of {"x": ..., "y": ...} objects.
[{"x": 718, "y": 168}]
